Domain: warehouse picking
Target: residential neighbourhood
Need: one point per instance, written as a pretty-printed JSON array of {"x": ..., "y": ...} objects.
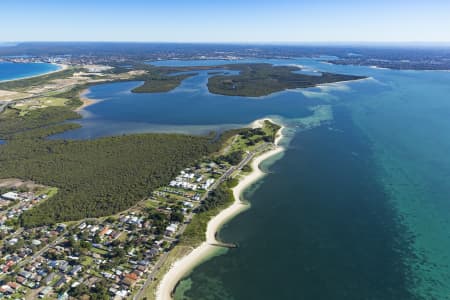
[{"x": 115, "y": 254}]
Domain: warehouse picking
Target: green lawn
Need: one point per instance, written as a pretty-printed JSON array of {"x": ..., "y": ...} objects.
[{"x": 99, "y": 251}]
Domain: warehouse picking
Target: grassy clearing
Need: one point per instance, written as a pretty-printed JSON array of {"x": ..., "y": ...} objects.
[
  {"x": 87, "y": 261},
  {"x": 38, "y": 103},
  {"x": 99, "y": 251},
  {"x": 152, "y": 204}
]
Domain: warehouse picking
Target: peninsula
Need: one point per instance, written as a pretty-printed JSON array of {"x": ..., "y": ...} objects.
[{"x": 184, "y": 265}]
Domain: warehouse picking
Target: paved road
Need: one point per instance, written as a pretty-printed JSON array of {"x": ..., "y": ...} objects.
[
  {"x": 140, "y": 294},
  {"x": 151, "y": 276},
  {"x": 3, "y": 105},
  {"x": 36, "y": 255},
  {"x": 40, "y": 252}
]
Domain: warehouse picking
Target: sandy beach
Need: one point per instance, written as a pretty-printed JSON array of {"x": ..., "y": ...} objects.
[
  {"x": 86, "y": 101},
  {"x": 62, "y": 67},
  {"x": 186, "y": 264}
]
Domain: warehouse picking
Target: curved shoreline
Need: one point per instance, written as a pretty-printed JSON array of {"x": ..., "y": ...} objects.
[
  {"x": 61, "y": 68},
  {"x": 86, "y": 101},
  {"x": 187, "y": 263}
]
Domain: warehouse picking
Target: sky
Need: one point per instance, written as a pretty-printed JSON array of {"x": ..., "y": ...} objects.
[{"x": 248, "y": 21}]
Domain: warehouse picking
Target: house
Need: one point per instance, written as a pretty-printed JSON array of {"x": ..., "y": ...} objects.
[
  {"x": 94, "y": 229},
  {"x": 49, "y": 278},
  {"x": 21, "y": 279},
  {"x": 63, "y": 265},
  {"x": 5, "y": 289},
  {"x": 171, "y": 229},
  {"x": 10, "y": 263},
  {"x": 45, "y": 291},
  {"x": 143, "y": 262},
  {"x": 13, "y": 241},
  {"x": 13, "y": 285},
  {"x": 116, "y": 235},
  {"x": 25, "y": 274},
  {"x": 61, "y": 282},
  {"x": 36, "y": 242},
  {"x": 132, "y": 276},
  {"x": 121, "y": 294},
  {"x": 37, "y": 278},
  {"x": 188, "y": 204},
  {"x": 141, "y": 269},
  {"x": 129, "y": 282},
  {"x": 53, "y": 264},
  {"x": 75, "y": 270},
  {"x": 42, "y": 272},
  {"x": 103, "y": 232},
  {"x": 61, "y": 227},
  {"x": 152, "y": 252}
]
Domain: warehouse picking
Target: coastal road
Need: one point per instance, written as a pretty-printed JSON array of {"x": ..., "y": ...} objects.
[
  {"x": 151, "y": 276},
  {"x": 140, "y": 294}
]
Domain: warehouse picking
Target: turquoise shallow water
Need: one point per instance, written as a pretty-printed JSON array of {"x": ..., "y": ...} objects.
[
  {"x": 9, "y": 71},
  {"x": 357, "y": 208}
]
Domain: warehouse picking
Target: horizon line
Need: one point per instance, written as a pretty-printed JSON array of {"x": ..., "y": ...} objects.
[{"x": 13, "y": 43}]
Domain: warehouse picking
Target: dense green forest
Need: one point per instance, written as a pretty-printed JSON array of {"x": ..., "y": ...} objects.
[
  {"x": 159, "y": 83},
  {"x": 216, "y": 201},
  {"x": 256, "y": 80},
  {"x": 11, "y": 123},
  {"x": 217, "y": 198},
  {"x": 98, "y": 177}
]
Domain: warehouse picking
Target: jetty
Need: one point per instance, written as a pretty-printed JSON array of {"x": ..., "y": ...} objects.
[{"x": 224, "y": 245}]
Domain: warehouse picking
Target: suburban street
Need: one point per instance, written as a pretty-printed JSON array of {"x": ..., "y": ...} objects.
[{"x": 140, "y": 294}]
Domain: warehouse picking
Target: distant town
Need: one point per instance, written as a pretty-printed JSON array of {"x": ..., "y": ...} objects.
[{"x": 398, "y": 57}]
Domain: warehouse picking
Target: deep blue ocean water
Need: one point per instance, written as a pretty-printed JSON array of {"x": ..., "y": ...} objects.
[
  {"x": 356, "y": 208},
  {"x": 9, "y": 71}
]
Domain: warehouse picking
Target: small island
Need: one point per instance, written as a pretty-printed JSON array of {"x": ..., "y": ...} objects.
[{"x": 255, "y": 80}]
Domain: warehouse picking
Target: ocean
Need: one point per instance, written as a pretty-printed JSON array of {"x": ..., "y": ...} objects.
[{"x": 10, "y": 71}]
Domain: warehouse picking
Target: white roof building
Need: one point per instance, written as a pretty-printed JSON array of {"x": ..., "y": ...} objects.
[{"x": 11, "y": 196}]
